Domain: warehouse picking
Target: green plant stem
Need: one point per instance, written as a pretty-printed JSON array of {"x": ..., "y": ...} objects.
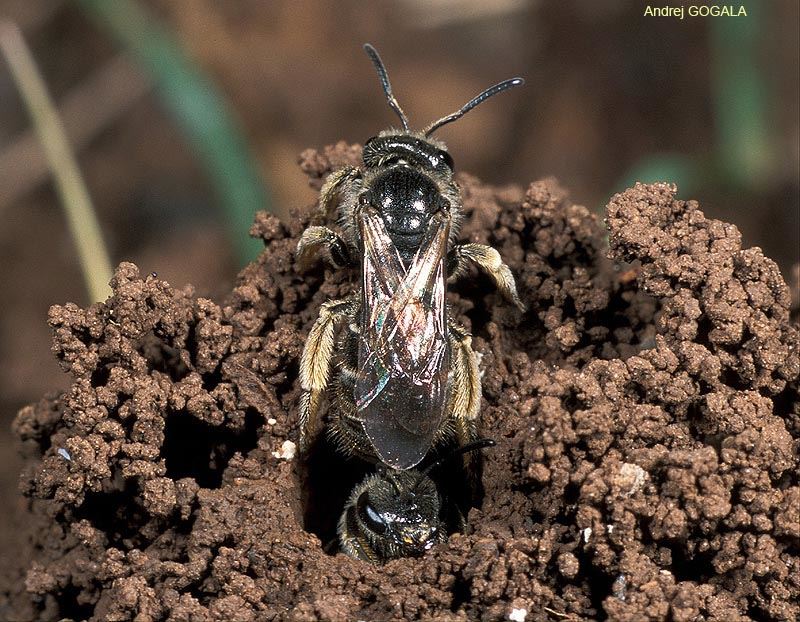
[
  {"x": 202, "y": 113},
  {"x": 743, "y": 149}
]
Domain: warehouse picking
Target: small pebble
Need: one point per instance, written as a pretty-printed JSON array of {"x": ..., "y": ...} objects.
[
  {"x": 568, "y": 565},
  {"x": 64, "y": 454},
  {"x": 634, "y": 476},
  {"x": 287, "y": 452},
  {"x": 618, "y": 589},
  {"x": 518, "y": 615}
]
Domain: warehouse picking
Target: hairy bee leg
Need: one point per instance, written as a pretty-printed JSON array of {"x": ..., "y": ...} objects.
[
  {"x": 466, "y": 391},
  {"x": 315, "y": 366},
  {"x": 461, "y": 521},
  {"x": 487, "y": 259},
  {"x": 353, "y": 547},
  {"x": 321, "y": 238},
  {"x": 331, "y": 188},
  {"x": 466, "y": 386},
  {"x": 350, "y": 543}
]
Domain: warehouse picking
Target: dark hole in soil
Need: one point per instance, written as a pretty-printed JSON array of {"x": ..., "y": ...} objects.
[
  {"x": 704, "y": 328},
  {"x": 459, "y": 488},
  {"x": 732, "y": 378},
  {"x": 568, "y": 308},
  {"x": 461, "y": 593},
  {"x": 212, "y": 379},
  {"x": 600, "y": 585},
  {"x": 572, "y": 492},
  {"x": 784, "y": 405},
  {"x": 193, "y": 448},
  {"x": 474, "y": 289},
  {"x": 70, "y": 608},
  {"x": 690, "y": 567},
  {"x": 571, "y": 401},
  {"x": 327, "y": 479},
  {"x": 163, "y": 357},
  {"x": 117, "y": 514},
  {"x": 100, "y": 375}
]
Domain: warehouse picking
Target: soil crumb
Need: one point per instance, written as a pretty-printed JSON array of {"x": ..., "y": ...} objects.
[{"x": 645, "y": 408}]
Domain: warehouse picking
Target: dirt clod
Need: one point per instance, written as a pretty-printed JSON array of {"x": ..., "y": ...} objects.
[{"x": 645, "y": 409}]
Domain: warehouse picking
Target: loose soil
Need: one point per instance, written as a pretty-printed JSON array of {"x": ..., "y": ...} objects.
[{"x": 645, "y": 408}]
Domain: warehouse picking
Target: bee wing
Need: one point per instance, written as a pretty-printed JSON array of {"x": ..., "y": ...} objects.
[{"x": 403, "y": 354}]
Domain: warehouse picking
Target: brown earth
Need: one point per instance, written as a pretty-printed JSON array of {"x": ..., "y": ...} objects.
[{"x": 646, "y": 414}]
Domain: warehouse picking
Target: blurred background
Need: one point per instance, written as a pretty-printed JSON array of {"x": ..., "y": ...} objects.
[{"x": 186, "y": 116}]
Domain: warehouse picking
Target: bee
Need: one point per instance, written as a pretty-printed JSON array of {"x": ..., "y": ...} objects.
[
  {"x": 399, "y": 374},
  {"x": 397, "y": 513}
]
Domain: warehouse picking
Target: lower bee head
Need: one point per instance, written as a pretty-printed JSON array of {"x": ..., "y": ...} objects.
[{"x": 392, "y": 514}]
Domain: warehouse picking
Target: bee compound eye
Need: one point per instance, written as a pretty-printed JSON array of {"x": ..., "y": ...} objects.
[
  {"x": 369, "y": 516},
  {"x": 369, "y": 152},
  {"x": 448, "y": 159}
]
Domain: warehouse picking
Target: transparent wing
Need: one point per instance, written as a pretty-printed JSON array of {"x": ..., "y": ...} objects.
[{"x": 403, "y": 354}]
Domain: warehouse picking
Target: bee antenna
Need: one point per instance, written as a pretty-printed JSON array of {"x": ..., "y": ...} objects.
[
  {"x": 481, "y": 443},
  {"x": 492, "y": 90},
  {"x": 387, "y": 87}
]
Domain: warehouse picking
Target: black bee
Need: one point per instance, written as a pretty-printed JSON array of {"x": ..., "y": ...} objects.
[
  {"x": 392, "y": 514},
  {"x": 405, "y": 377},
  {"x": 396, "y": 513}
]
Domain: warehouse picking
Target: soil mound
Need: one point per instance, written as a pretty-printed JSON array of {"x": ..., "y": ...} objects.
[{"x": 645, "y": 408}]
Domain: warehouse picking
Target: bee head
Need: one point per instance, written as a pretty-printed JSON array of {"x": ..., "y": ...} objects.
[
  {"x": 397, "y": 512},
  {"x": 394, "y": 148},
  {"x": 410, "y": 174}
]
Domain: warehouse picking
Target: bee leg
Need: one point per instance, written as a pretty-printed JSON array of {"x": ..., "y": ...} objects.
[
  {"x": 355, "y": 547},
  {"x": 332, "y": 187},
  {"x": 466, "y": 385},
  {"x": 349, "y": 541},
  {"x": 315, "y": 366},
  {"x": 466, "y": 388},
  {"x": 315, "y": 238},
  {"x": 487, "y": 259},
  {"x": 461, "y": 521}
]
